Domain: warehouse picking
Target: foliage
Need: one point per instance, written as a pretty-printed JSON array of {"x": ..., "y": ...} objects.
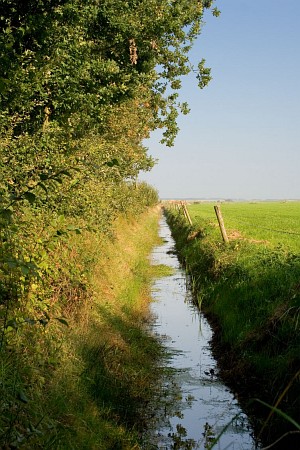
[
  {"x": 86, "y": 385},
  {"x": 82, "y": 84},
  {"x": 65, "y": 64}
]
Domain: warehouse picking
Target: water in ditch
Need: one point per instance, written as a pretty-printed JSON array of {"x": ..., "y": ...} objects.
[{"x": 198, "y": 406}]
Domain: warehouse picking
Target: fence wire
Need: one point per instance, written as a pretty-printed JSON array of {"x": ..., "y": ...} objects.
[
  {"x": 238, "y": 220},
  {"x": 268, "y": 229}
]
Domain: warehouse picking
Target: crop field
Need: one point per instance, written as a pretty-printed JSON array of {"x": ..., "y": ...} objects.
[{"x": 272, "y": 223}]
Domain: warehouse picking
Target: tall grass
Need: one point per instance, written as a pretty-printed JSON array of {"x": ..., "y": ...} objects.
[
  {"x": 90, "y": 384},
  {"x": 251, "y": 291}
]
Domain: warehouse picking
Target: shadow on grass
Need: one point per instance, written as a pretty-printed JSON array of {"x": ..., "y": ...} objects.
[
  {"x": 129, "y": 379},
  {"x": 122, "y": 369}
]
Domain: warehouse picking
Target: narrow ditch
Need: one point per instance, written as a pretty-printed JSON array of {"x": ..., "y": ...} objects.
[{"x": 203, "y": 408}]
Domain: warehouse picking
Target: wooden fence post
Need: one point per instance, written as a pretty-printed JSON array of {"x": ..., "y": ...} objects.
[
  {"x": 221, "y": 223},
  {"x": 187, "y": 215},
  {"x": 183, "y": 210}
]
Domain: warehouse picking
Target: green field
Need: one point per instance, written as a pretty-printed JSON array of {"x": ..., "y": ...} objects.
[
  {"x": 250, "y": 290},
  {"x": 274, "y": 223}
]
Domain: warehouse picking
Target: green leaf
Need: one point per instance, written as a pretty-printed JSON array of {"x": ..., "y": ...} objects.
[
  {"x": 12, "y": 323},
  {"x": 65, "y": 172},
  {"x": 60, "y": 232},
  {"x": 203, "y": 76},
  {"x": 280, "y": 413},
  {"x": 113, "y": 162},
  {"x": 25, "y": 269},
  {"x": 6, "y": 214},
  {"x": 9, "y": 329},
  {"x": 30, "y": 197},
  {"x": 62, "y": 320},
  {"x": 74, "y": 182},
  {"x": 43, "y": 187},
  {"x": 216, "y": 12},
  {"x": 73, "y": 228},
  {"x": 22, "y": 397}
]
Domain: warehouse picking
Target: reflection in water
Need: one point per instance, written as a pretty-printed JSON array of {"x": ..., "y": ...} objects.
[{"x": 204, "y": 407}]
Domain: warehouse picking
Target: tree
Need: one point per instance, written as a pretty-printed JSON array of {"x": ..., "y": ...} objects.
[
  {"x": 68, "y": 61},
  {"x": 82, "y": 84}
]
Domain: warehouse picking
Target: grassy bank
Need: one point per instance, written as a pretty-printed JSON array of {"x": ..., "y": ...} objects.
[
  {"x": 84, "y": 379},
  {"x": 250, "y": 290}
]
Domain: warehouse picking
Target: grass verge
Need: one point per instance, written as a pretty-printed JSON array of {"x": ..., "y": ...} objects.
[
  {"x": 84, "y": 382},
  {"x": 251, "y": 294}
]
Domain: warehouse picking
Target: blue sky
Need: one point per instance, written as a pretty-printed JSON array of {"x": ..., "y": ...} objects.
[{"x": 242, "y": 137}]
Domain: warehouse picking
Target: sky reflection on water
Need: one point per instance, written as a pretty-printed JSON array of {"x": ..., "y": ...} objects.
[{"x": 205, "y": 405}]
